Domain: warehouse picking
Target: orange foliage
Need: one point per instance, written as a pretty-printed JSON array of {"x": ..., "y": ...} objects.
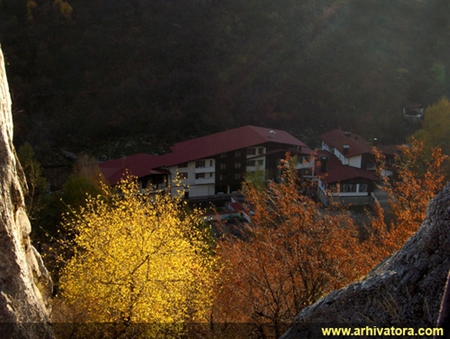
[
  {"x": 291, "y": 254},
  {"x": 415, "y": 183},
  {"x": 295, "y": 251}
]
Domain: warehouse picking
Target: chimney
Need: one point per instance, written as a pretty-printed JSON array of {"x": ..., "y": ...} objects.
[{"x": 346, "y": 149}]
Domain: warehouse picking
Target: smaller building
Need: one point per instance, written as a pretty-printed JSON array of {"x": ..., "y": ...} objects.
[
  {"x": 414, "y": 111},
  {"x": 346, "y": 167}
]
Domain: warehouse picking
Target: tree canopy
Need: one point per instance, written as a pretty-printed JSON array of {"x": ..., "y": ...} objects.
[
  {"x": 291, "y": 254},
  {"x": 435, "y": 129},
  {"x": 137, "y": 258}
]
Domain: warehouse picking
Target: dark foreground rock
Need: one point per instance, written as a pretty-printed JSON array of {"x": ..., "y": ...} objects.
[
  {"x": 404, "y": 290},
  {"x": 25, "y": 285}
]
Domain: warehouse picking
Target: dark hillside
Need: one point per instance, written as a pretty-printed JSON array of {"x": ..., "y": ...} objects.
[{"x": 85, "y": 74}]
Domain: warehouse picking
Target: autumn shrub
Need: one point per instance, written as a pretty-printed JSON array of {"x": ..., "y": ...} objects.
[{"x": 137, "y": 259}]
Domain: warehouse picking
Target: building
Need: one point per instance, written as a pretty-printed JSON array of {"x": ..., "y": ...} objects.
[
  {"x": 414, "y": 111},
  {"x": 212, "y": 165},
  {"x": 346, "y": 170}
]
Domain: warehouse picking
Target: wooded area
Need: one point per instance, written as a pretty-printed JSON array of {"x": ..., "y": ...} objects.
[{"x": 97, "y": 76}]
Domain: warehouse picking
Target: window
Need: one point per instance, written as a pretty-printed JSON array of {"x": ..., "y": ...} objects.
[
  {"x": 237, "y": 154},
  {"x": 183, "y": 165},
  {"x": 223, "y": 166},
  {"x": 223, "y": 155},
  {"x": 210, "y": 163},
  {"x": 199, "y": 175},
  {"x": 363, "y": 187},
  {"x": 237, "y": 176},
  {"x": 348, "y": 188},
  {"x": 200, "y": 164},
  {"x": 251, "y": 162},
  {"x": 261, "y": 150},
  {"x": 260, "y": 162},
  {"x": 371, "y": 165},
  {"x": 237, "y": 165},
  {"x": 251, "y": 151}
]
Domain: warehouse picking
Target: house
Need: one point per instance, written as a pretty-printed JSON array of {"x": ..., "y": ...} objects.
[
  {"x": 346, "y": 170},
  {"x": 144, "y": 166},
  {"x": 212, "y": 165},
  {"x": 414, "y": 111}
]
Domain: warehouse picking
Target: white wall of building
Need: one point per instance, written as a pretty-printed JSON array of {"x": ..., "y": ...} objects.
[{"x": 196, "y": 177}]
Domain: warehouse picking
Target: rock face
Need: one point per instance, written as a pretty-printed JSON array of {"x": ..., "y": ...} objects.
[
  {"x": 404, "y": 290},
  {"x": 25, "y": 285}
]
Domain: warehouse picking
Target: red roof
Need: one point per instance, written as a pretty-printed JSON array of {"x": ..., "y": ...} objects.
[
  {"x": 337, "y": 138},
  {"x": 337, "y": 172},
  {"x": 230, "y": 140},
  {"x": 199, "y": 148},
  {"x": 140, "y": 165}
]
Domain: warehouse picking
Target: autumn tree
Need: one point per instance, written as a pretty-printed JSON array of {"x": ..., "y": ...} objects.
[
  {"x": 419, "y": 175},
  {"x": 435, "y": 129},
  {"x": 137, "y": 258},
  {"x": 292, "y": 253}
]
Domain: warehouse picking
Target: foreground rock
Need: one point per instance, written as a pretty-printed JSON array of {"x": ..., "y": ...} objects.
[
  {"x": 404, "y": 290},
  {"x": 25, "y": 285}
]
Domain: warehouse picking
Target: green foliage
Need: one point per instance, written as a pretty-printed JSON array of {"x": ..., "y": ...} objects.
[
  {"x": 438, "y": 72},
  {"x": 435, "y": 130},
  {"x": 138, "y": 258},
  {"x": 37, "y": 184},
  {"x": 76, "y": 189},
  {"x": 256, "y": 179}
]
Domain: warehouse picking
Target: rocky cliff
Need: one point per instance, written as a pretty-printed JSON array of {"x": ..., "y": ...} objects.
[
  {"x": 25, "y": 285},
  {"x": 404, "y": 290}
]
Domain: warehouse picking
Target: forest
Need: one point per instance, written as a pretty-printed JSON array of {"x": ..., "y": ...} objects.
[{"x": 108, "y": 79}]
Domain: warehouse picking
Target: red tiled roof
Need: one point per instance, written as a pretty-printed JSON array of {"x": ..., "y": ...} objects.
[
  {"x": 140, "y": 165},
  {"x": 222, "y": 142},
  {"x": 337, "y": 138},
  {"x": 198, "y": 148},
  {"x": 336, "y": 172}
]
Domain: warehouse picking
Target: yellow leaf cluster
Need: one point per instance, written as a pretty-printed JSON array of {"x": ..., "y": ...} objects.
[{"x": 138, "y": 258}]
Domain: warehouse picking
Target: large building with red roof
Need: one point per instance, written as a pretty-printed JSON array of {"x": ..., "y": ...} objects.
[{"x": 211, "y": 165}]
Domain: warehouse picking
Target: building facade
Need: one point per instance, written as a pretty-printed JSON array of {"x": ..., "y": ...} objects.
[
  {"x": 347, "y": 167},
  {"x": 212, "y": 165}
]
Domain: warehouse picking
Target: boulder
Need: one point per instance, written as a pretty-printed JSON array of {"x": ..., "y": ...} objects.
[
  {"x": 405, "y": 290},
  {"x": 25, "y": 285}
]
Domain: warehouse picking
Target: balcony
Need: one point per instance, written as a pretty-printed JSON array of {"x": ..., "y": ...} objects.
[{"x": 204, "y": 178}]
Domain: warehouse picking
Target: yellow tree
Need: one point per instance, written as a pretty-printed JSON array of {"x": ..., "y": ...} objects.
[{"x": 137, "y": 258}]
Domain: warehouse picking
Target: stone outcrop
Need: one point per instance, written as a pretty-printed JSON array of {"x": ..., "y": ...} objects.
[
  {"x": 25, "y": 285},
  {"x": 404, "y": 290}
]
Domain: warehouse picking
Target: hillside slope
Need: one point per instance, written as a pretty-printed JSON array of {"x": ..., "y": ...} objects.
[{"x": 98, "y": 72}]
